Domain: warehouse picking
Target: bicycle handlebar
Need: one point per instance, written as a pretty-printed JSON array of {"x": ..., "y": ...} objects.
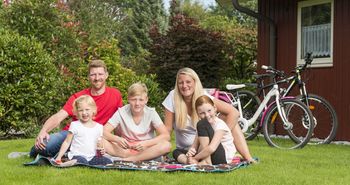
[
  {"x": 308, "y": 60},
  {"x": 270, "y": 69}
]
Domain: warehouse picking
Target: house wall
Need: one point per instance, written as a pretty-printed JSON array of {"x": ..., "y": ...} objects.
[{"x": 332, "y": 83}]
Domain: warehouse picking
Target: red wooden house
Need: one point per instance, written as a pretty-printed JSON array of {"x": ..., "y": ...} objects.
[{"x": 287, "y": 29}]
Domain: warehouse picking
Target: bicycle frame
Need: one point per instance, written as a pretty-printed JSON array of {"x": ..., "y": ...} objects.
[
  {"x": 274, "y": 91},
  {"x": 295, "y": 80}
]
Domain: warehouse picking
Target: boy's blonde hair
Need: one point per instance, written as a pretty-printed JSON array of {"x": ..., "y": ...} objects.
[
  {"x": 137, "y": 89},
  {"x": 180, "y": 106},
  {"x": 86, "y": 99}
]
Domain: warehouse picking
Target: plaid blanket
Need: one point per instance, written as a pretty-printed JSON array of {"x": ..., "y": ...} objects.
[{"x": 143, "y": 165}]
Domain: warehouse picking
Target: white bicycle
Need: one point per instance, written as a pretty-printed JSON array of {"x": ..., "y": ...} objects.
[{"x": 283, "y": 118}]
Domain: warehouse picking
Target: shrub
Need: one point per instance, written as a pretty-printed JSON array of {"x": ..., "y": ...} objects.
[
  {"x": 50, "y": 23},
  {"x": 241, "y": 40},
  {"x": 30, "y": 84}
]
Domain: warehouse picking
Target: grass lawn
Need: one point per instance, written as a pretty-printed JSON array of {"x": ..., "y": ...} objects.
[{"x": 326, "y": 164}]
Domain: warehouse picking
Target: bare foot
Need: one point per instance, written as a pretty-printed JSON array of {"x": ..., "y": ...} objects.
[{"x": 68, "y": 163}]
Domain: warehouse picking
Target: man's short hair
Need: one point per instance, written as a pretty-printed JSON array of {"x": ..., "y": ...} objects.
[{"x": 97, "y": 63}]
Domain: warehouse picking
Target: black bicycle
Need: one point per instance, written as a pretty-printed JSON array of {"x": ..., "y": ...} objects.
[{"x": 325, "y": 117}]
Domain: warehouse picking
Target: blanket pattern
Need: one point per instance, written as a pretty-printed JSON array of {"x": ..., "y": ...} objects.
[{"x": 145, "y": 165}]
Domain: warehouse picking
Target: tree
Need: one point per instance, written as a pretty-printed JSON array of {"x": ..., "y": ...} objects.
[
  {"x": 185, "y": 44},
  {"x": 98, "y": 20},
  {"x": 241, "y": 38},
  {"x": 139, "y": 16}
]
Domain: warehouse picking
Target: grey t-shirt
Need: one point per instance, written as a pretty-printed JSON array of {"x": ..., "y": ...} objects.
[{"x": 125, "y": 126}]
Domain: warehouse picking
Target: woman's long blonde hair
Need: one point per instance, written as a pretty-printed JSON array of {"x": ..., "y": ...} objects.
[{"x": 180, "y": 105}]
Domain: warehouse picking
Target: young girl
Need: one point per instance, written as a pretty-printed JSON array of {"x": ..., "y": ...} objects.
[
  {"x": 135, "y": 125},
  {"x": 83, "y": 135},
  {"x": 214, "y": 141}
]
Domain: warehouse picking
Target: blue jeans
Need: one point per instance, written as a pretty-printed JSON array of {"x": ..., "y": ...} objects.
[
  {"x": 52, "y": 146},
  {"x": 94, "y": 161},
  {"x": 80, "y": 159}
]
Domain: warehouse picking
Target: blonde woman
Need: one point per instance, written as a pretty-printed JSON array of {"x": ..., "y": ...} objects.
[{"x": 181, "y": 116}]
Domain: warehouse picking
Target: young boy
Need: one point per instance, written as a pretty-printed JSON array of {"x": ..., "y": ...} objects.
[{"x": 134, "y": 125}]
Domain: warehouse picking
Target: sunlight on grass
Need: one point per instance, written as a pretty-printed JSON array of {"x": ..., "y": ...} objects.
[{"x": 323, "y": 164}]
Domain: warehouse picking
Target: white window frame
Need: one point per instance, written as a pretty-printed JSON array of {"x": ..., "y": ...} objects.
[{"x": 317, "y": 62}]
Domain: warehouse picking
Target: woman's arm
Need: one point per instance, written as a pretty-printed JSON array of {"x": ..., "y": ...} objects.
[
  {"x": 169, "y": 118},
  {"x": 64, "y": 147},
  {"x": 230, "y": 114},
  {"x": 231, "y": 119},
  {"x": 211, "y": 148}
]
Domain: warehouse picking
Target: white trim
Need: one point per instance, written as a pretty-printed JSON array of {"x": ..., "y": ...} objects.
[{"x": 317, "y": 62}]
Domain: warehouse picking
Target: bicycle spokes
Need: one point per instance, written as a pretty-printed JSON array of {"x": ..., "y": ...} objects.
[{"x": 295, "y": 132}]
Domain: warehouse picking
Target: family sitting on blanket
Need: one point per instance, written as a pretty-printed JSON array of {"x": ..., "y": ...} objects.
[{"x": 128, "y": 131}]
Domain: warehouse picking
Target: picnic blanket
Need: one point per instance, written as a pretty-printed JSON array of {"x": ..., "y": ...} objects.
[{"x": 145, "y": 165}]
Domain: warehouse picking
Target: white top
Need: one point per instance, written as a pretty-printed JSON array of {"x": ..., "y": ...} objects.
[
  {"x": 184, "y": 137},
  {"x": 227, "y": 139},
  {"x": 84, "y": 140},
  {"x": 125, "y": 126}
]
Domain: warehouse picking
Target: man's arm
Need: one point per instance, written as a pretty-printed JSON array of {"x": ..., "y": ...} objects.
[{"x": 51, "y": 123}]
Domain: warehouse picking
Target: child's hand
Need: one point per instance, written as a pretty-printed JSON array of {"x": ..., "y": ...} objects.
[
  {"x": 191, "y": 152},
  {"x": 103, "y": 151},
  {"x": 122, "y": 142},
  {"x": 191, "y": 160},
  {"x": 58, "y": 161},
  {"x": 138, "y": 146}
]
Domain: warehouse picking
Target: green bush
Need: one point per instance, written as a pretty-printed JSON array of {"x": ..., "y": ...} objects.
[
  {"x": 51, "y": 23},
  {"x": 30, "y": 85},
  {"x": 241, "y": 41}
]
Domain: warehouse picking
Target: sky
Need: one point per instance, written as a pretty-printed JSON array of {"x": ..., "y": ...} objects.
[{"x": 206, "y": 3}]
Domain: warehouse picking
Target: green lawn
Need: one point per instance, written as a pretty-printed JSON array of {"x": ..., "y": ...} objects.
[{"x": 327, "y": 164}]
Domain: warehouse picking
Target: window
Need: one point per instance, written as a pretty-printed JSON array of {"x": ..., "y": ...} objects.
[{"x": 315, "y": 31}]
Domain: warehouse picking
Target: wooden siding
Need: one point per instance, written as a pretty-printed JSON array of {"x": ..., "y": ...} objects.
[{"x": 332, "y": 83}]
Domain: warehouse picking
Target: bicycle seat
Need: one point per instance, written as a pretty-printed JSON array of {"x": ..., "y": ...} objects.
[
  {"x": 232, "y": 86},
  {"x": 260, "y": 76},
  {"x": 255, "y": 85}
]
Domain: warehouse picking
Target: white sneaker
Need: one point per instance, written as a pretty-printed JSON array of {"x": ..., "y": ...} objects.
[{"x": 14, "y": 155}]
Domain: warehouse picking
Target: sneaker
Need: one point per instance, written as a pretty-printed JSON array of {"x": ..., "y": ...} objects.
[{"x": 14, "y": 155}]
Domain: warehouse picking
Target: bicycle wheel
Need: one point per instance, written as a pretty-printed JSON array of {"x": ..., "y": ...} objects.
[
  {"x": 250, "y": 103},
  {"x": 301, "y": 125},
  {"x": 325, "y": 118}
]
